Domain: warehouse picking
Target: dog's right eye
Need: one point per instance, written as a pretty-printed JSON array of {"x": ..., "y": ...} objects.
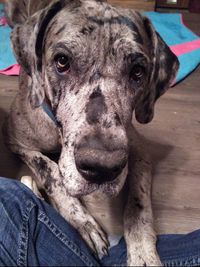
[
  {"x": 62, "y": 63},
  {"x": 137, "y": 73}
]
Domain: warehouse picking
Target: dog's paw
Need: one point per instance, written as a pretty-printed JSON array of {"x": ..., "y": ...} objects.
[
  {"x": 95, "y": 237},
  {"x": 152, "y": 259},
  {"x": 30, "y": 183}
]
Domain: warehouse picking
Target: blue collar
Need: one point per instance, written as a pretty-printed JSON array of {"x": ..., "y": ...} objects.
[{"x": 49, "y": 112}]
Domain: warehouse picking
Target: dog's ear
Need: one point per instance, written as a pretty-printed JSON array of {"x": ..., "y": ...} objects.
[
  {"x": 164, "y": 67},
  {"x": 17, "y": 11},
  {"x": 27, "y": 43}
]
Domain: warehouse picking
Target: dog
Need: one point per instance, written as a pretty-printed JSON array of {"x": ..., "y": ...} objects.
[{"x": 86, "y": 67}]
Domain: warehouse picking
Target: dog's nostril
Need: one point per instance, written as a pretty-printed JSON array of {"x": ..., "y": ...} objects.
[
  {"x": 89, "y": 175},
  {"x": 100, "y": 166},
  {"x": 116, "y": 169},
  {"x": 99, "y": 176},
  {"x": 88, "y": 169}
]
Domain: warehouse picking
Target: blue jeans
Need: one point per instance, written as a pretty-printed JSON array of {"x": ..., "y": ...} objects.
[{"x": 32, "y": 233}]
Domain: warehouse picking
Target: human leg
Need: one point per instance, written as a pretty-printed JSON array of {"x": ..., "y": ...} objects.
[
  {"x": 33, "y": 234},
  {"x": 173, "y": 249}
]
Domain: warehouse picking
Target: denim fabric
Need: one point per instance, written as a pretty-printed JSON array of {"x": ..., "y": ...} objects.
[{"x": 32, "y": 233}]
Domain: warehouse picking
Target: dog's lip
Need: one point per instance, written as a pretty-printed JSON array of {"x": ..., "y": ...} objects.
[
  {"x": 99, "y": 179},
  {"x": 110, "y": 188},
  {"x": 92, "y": 175}
]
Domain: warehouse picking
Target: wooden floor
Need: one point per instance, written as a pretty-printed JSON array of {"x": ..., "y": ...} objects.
[{"x": 173, "y": 140}]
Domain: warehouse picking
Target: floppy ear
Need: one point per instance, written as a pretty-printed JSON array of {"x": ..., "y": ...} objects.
[
  {"x": 17, "y": 11},
  {"x": 164, "y": 68},
  {"x": 27, "y": 43}
]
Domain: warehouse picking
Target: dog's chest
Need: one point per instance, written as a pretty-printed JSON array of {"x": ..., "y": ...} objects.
[{"x": 107, "y": 211}]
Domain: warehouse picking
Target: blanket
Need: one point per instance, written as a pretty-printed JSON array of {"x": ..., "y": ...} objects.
[{"x": 182, "y": 41}]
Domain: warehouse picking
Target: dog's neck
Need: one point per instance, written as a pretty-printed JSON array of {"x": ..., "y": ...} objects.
[{"x": 107, "y": 211}]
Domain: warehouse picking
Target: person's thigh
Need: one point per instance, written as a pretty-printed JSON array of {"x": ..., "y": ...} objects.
[
  {"x": 180, "y": 250},
  {"x": 33, "y": 234},
  {"x": 174, "y": 250}
]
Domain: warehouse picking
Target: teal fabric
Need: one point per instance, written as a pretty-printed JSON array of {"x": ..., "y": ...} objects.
[
  {"x": 173, "y": 32},
  {"x": 6, "y": 56},
  {"x": 188, "y": 62},
  {"x": 170, "y": 28}
]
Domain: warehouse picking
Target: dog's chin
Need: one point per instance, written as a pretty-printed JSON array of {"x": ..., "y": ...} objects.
[{"x": 82, "y": 187}]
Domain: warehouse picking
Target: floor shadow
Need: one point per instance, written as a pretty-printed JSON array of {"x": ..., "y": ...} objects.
[
  {"x": 163, "y": 156},
  {"x": 158, "y": 152},
  {"x": 10, "y": 164}
]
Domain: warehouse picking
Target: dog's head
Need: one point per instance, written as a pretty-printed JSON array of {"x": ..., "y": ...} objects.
[{"x": 95, "y": 64}]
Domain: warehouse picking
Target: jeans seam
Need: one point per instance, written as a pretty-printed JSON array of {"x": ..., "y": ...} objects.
[
  {"x": 183, "y": 262},
  {"x": 64, "y": 238},
  {"x": 23, "y": 236}
]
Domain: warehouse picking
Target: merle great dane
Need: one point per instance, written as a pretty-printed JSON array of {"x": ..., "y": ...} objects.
[{"x": 85, "y": 67}]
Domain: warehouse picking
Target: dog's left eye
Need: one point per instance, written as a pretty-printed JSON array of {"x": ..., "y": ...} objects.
[
  {"x": 137, "y": 73},
  {"x": 62, "y": 63}
]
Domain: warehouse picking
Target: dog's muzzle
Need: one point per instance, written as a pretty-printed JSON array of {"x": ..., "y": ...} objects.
[{"x": 98, "y": 162}]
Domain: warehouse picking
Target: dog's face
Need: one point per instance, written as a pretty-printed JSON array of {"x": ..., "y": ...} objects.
[{"x": 95, "y": 64}]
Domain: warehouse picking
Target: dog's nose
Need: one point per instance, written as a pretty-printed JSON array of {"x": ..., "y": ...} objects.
[{"x": 98, "y": 164}]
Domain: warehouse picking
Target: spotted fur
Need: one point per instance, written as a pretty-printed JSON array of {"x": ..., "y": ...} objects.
[{"x": 93, "y": 102}]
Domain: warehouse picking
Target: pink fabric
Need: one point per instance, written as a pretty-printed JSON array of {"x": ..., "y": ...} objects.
[
  {"x": 184, "y": 48},
  {"x": 11, "y": 70},
  {"x": 3, "y": 21}
]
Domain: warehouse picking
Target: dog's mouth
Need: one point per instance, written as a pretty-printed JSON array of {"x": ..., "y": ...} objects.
[
  {"x": 101, "y": 174},
  {"x": 94, "y": 165},
  {"x": 94, "y": 176},
  {"x": 79, "y": 186}
]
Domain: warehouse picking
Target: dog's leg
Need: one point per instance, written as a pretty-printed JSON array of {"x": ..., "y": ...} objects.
[
  {"x": 48, "y": 176},
  {"x": 138, "y": 220}
]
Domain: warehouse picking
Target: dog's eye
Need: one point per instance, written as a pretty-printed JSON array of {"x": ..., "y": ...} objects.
[
  {"x": 137, "y": 73},
  {"x": 62, "y": 63}
]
